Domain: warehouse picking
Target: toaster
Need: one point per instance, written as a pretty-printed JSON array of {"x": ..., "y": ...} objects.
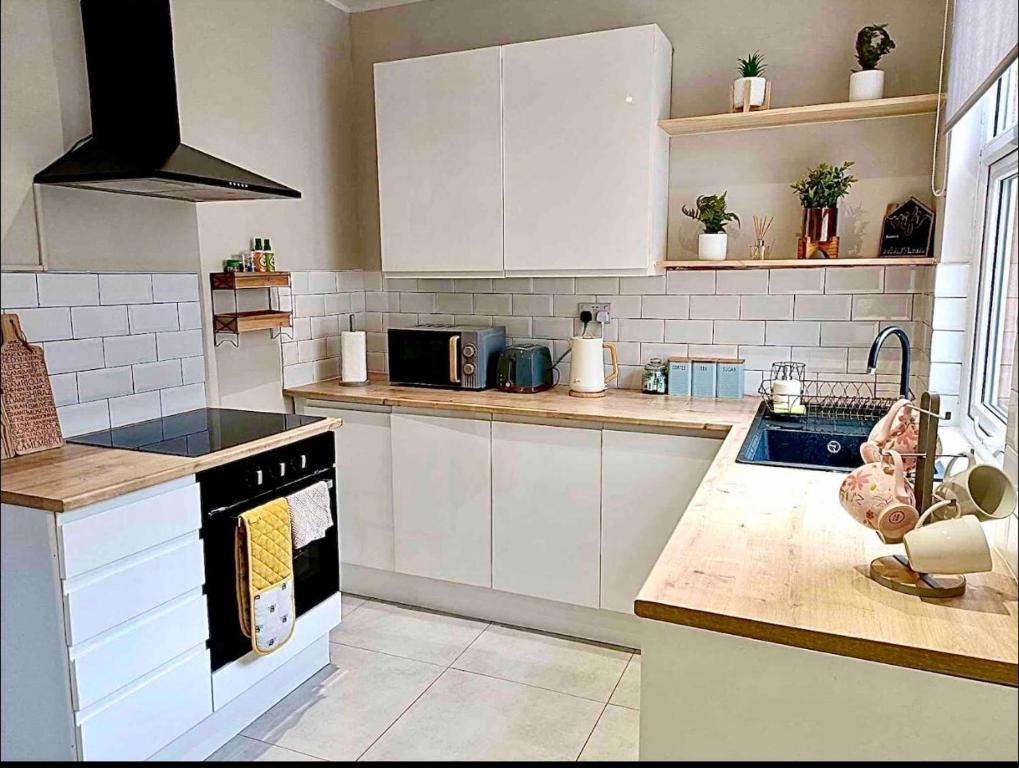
[{"x": 524, "y": 368}]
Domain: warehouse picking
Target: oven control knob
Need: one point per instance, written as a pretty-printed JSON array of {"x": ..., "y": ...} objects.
[
  {"x": 469, "y": 351},
  {"x": 468, "y": 368}
]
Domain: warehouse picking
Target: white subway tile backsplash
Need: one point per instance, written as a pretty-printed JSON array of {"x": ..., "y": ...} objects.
[
  {"x": 761, "y": 358},
  {"x": 289, "y": 352},
  {"x": 596, "y": 285},
  {"x": 18, "y": 290},
  {"x": 125, "y": 289},
  {"x": 104, "y": 384},
  {"x": 492, "y": 303},
  {"x": 553, "y": 285},
  {"x": 350, "y": 282},
  {"x": 534, "y": 305},
  {"x": 310, "y": 351},
  {"x": 625, "y": 306},
  {"x": 482, "y": 320},
  {"x": 154, "y": 318},
  {"x": 84, "y": 418},
  {"x": 820, "y": 359},
  {"x": 67, "y": 290},
  {"x": 127, "y": 350},
  {"x": 627, "y": 352},
  {"x": 339, "y": 303},
  {"x": 752, "y": 281},
  {"x": 310, "y": 305},
  {"x": 190, "y": 315},
  {"x": 377, "y": 301},
  {"x": 131, "y": 409},
  {"x": 946, "y": 378},
  {"x": 689, "y": 331},
  {"x": 690, "y": 283},
  {"x": 886, "y": 306},
  {"x": 714, "y": 307},
  {"x": 374, "y": 342},
  {"x": 909, "y": 279},
  {"x": 65, "y": 388},
  {"x": 418, "y": 302},
  {"x": 700, "y": 351},
  {"x": 50, "y": 324},
  {"x": 948, "y": 346},
  {"x": 806, "y": 333},
  {"x": 327, "y": 369},
  {"x": 666, "y": 307},
  {"x": 796, "y": 281},
  {"x": 766, "y": 308},
  {"x": 641, "y": 330},
  {"x": 512, "y": 285},
  {"x": 854, "y": 280},
  {"x": 472, "y": 285},
  {"x": 323, "y": 327},
  {"x": 950, "y": 314},
  {"x": 177, "y": 344},
  {"x": 299, "y": 283},
  {"x": 299, "y": 375},
  {"x": 450, "y": 303},
  {"x": 152, "y": 376},
  {"x": 739, "y": 332},
  {"x": 565, "y": 305},
  {"x": 175, "y": 288},
  {"x": 552, "y": 327},
  {"x": 372, "y": 281},
  {"x": 182, "y": 399},
  {"x": 851, "y": 334},
  {"x": 94, "y": 322},
  {"x": 68, "y": 356},
  {"x": 823, "y": 307},
  {"x": 321, "y": 282},
  {"x": 662, "y": 351},
  {"x": 642, "y": 286},
  {"x": 516, "y": 327},
  {"x": 302, "y": 328}
]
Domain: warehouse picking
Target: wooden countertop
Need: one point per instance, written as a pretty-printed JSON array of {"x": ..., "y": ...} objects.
[
  {"x": 767, "y": 552},
  {"x": 75, "y": 476}
]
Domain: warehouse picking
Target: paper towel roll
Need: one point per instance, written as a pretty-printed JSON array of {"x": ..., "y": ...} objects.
[{"x": 353, "y": 356}]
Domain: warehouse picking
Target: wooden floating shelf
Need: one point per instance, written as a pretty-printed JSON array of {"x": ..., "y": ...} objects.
[
  {"x": 901, "y": 106},
  {"x": 236, "y": 281},
  {"x": 731, "y": 264},
  {"x": 242, "y": 322}
]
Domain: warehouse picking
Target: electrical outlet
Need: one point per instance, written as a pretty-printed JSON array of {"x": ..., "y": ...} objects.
[{"x": 594, "y": 309}]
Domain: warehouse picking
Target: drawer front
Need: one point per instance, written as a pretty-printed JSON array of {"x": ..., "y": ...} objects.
[
  {"x": 149, "y": 715},
  {"x": 97, "y": 540},
  {"x": 113, "y": 660},
  {"x": 103, "y": 599}
]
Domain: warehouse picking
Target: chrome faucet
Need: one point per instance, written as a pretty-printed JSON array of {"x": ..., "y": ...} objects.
[{"x": 907, "y": 355}]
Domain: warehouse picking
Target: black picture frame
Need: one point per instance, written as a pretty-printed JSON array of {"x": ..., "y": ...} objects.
[{"x": 908, "y": 230}]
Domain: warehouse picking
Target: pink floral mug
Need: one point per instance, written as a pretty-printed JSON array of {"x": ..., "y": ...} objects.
[
  {"x": 898, "y": 430},
  {"x": 878, "y": 496}
]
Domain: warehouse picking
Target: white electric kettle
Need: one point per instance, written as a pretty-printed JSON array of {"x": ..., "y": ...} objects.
[{"x": 587, "y": 366}]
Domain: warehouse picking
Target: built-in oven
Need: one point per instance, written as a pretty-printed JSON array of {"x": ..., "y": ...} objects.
[
  {"x": 233, "y": 488},
  {"x": 448, "y": 356}
]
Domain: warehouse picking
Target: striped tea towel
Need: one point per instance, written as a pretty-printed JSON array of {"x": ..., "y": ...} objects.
[{"x": 311, "y": 514}]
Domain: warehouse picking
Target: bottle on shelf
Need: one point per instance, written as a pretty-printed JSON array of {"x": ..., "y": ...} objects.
[{"x": 269, "y": 255}]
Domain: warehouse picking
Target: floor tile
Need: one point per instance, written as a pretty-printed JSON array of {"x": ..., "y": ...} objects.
[
  {"x": 627, "y": 693},
  {"x": 616, "y": 737},
  {"x": 351, "y": 603},
  {"x": 418, "y": 635},
  {"x": 566, "y": 666},
  {"x": 464, "y": 716},
  {"x": 339, "y": 712},
  {"x": 241, "y": 749}
]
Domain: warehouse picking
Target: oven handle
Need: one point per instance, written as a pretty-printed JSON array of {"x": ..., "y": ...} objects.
[{"x": 274, "y": 492}]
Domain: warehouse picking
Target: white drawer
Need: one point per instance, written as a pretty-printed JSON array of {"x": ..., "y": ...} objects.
[
  {"x": 146, "y": 717},
  {"x": 102, "y": 599},
  {"x": 93, "y": 540},
  {"x": 107, "y": 663}
]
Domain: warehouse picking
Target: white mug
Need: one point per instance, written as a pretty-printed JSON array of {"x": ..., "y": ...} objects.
[
  {"x": 957, "y": 545},
  {"x": 981, "y": 490}
]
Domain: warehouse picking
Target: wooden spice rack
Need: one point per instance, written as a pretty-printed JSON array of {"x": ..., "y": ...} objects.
[{"x": 274, "y": 319}]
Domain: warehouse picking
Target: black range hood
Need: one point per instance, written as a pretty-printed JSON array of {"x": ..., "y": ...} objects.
[{"x": 135, "y": 146}]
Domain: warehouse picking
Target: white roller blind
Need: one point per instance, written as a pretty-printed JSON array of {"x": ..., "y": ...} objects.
[{"x": 985, "y": 34}]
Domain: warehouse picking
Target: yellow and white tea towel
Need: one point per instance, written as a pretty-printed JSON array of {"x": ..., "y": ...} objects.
[
  {"x": 311, "y": 514},
  {"x": 265, "y": 576}
]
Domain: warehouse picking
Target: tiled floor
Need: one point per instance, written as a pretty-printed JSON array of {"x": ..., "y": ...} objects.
[{"x": 412, "y": 685}]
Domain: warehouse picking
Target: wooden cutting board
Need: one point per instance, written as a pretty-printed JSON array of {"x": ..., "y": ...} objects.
[{"x": 28, "y": 414}]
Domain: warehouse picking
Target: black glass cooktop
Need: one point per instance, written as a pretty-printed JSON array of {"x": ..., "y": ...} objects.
[{"x": 195, "y": 433}]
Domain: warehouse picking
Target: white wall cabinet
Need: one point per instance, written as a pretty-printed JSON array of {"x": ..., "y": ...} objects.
[
  {"x": 364, "y": 492},
  {"x": 647, "y": 482},
  {"x": 439, "y": 134},
  {"x": 546, "y": 510},
  {"x": 442, "y": 502},
  {"x": 586, "y": 166},
  {"x": 537, "y": 158}
]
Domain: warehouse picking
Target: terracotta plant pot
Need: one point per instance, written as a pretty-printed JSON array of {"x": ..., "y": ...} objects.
[{"x": 820, "y": 224}]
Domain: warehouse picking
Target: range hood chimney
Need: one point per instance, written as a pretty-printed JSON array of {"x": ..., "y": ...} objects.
[{"x": 135, "y": 146}]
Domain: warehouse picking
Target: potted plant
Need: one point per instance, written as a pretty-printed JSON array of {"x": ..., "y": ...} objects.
[
  {"x": 872, "y": 42},
  {"x": 820, "y": 192},
  {"x": 751, "y": 70},
  {"x": 710, "y": 211}
]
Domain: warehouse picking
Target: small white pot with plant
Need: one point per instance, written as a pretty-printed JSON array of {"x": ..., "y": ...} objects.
[
  {"x": 872, "y": 42},
  {"x": 710, "y": 211},
  {"x": 751, "y": 70}
]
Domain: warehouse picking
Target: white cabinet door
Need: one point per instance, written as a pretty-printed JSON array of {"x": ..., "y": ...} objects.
[
  {"x": 364, "y": 486},
  {"x": 647, "y": 483},
  {"x": 546, "y": 511},
  {"x": 438, "y": 123},
  {"x": 585, "y": 164},
  {"x": 442, "y": 503}
]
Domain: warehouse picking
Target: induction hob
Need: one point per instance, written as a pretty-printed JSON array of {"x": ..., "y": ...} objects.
[{"x": 195, "y": 433}]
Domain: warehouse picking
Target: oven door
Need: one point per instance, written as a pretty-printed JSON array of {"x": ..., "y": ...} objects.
[
  {"x": 427, "y": 357},
  {"x": 316, "y": 573}
]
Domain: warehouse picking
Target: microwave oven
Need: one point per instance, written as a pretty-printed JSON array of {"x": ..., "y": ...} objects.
[{"x": 446, "y": 356}]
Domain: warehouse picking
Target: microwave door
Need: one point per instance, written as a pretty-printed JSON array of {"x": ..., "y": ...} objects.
[{"x": 430, "y": 358}]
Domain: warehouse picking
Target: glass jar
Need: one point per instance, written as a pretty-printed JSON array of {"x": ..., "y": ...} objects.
[{"x": 653, "y": 382}]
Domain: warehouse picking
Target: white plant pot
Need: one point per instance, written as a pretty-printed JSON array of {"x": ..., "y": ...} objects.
[
  {"x": 712, "y": 247},
  {"x": 866, "y": 85},
  {"x": 757, "y": 90}
]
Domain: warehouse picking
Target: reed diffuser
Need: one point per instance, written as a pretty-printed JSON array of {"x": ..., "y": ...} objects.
[{"x": 760, "y": 249}]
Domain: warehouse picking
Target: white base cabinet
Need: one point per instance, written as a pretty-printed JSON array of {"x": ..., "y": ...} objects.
[
  {"x": 546, "y": 506},
  {"x": 442, "y": 497}
]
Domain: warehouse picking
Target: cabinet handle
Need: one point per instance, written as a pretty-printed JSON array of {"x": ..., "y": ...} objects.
[{"x": 454, "y": 359}]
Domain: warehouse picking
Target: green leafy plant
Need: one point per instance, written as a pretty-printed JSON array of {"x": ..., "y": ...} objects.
[
  {"x": 752, "y": 66},
  {"x": 824, "y": 185},
  {"x": 710, "y": 211},
  {"x": 872, "y": 42}
]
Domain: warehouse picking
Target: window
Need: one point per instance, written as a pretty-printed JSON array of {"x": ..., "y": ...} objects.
[{"x": 994, "y": 333}]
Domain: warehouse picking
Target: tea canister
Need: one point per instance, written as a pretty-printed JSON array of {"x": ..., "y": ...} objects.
[
  {"x": 703, "y": 378},
  {"x": 653, "y": 380},
  {"x": 729, "y": 379},
  {"x": 679, "y": 376}
]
